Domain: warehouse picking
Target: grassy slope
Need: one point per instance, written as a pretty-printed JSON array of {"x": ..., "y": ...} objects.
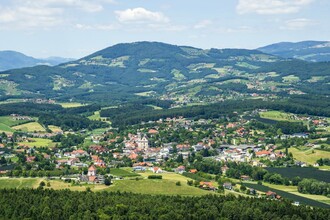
[
  {"x": 19, "y": 182},
  {"x": 308, "y": 156},
  {"x": 276, "y": 115},
  {"x": 30, "y": 127},
  {"x": 39, "y": 142}
]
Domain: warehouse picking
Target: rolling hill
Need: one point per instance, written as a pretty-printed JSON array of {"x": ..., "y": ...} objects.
[
  {"x": 14, "y": 60},
  {"x": 183, "y": 74},
  {"x": 315, "y": 51}
]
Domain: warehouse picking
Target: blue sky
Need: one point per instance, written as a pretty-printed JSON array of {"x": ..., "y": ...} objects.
[{"x": 76, "y": 28}]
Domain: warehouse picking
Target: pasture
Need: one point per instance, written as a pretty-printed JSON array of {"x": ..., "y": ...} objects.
[
  {"x": 277, "y": 116},
  {"x": 38, "y": 142},
  {"x": 19, "y": 183},
  {"x": 287, "y": 195},
  {"x": 30, "y": 127},
  {"x": 71, "y": 104},
  {"x": 122, "y": 173},
  {"x": 309, "y": 156},
  {"x": 157, "y": 187}
]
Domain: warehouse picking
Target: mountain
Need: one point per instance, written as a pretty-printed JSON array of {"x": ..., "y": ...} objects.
[
  {"x": 182, "y": 74},
  {"x": 14, "y": 60},
  {"x": 315, "y": 51}
]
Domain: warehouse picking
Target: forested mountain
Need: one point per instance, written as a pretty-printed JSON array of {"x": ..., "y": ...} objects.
[
  {"x": 14, "y": 60},
  {"x": 161, "y": 71},
  {"x": 316, "y": 51}
]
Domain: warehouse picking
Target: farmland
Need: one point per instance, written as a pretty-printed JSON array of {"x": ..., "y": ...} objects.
[
  {"x": 38, "y": 142},
  {"x": 30, "y": 127},
  {"x": 309, "y": 156},
  {"x": 122, "y": 173},
  {"x": 70, "y": 104},
  {"x": 276, "y": 115},
  {"x": 287, "y": 195},
  {"x": 19, "y": 183},
  {"x": 312, "y": 173}
]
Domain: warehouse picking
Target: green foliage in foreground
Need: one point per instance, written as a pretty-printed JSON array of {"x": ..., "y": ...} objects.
[{"x": 64, "y": 204}]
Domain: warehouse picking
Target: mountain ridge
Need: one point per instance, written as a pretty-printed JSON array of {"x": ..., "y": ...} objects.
[{"x": 183, "y": 74}]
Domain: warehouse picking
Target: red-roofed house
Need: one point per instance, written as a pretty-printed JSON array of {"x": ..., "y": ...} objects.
[
  {"x": 156, "y": 170},
  {"x": 263, "y": 153}
]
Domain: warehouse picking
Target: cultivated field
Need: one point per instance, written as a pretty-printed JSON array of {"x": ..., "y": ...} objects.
[
  {"x": 309, "y": 156},
  {"x": 276, "y": 115},
  {"x": 30, "y": 127},
  {"x": 71, "y": 104},
  {"x": 38, "y": 142},
  {"x": 287, "y": 195}
]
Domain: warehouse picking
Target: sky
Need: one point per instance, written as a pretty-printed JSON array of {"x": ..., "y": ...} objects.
[{"x": 76, "y": 28}]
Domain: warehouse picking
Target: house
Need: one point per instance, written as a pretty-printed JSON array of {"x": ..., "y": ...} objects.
[
  {"x": 206, "y": 185},
  {"x": 152, "y": 131},
  {"x": 91, "y": 171},
  {"x": 156, "y": 170},
  {"x": 180, "y": 169},
  {"x": 193, "y": 171},
  {"x": 263, "y": 153},
  {"x": 79, "y": 153},
  {"x": 30, "y": 159},
  {"x": 245, "y": 178},
  {"x": 198, "y": 147},
  {"x": 271, "y": 194},
  {"x": 228, "y": 185}
]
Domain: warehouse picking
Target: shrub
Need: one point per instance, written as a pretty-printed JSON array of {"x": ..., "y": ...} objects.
[{"x": 155, "y": 177}]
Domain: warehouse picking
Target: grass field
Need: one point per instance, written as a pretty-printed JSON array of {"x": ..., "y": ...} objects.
[
  {"x": 309, "y": 156},
  {"x": 30, "y": 127},
  {"x": 71, "y": 104},
  {"x": 19, "y": 182},
  {"x": 287, "y": 195},
  {"x": 5, "y": 128},
  {"x": 157, "y": 187},
  {"x": 39, "y": 142},
  {"x": 276, "y": 115},
  {"x": 96, "y": 117},
  {"x": 54, "y": 128},
  {"x": 122, "y": 172}
]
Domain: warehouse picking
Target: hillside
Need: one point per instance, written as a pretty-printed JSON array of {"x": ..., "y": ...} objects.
[
  {"x": 182, "y": 74},
  {"x": 315, "y": 51},
  {"x": 14, "y": 60}
]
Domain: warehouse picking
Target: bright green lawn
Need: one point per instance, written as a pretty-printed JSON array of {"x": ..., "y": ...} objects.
[
  {"x": 71, "y": 104},
  {"x": 156, "y": 187},
  {"x": 276, "y": 115},
  {"x": 19, "y": 182},
  {"x": 309, "y": 156},
  {"x": 39, "y": 142},
  {"x": 30, "y": 127}
]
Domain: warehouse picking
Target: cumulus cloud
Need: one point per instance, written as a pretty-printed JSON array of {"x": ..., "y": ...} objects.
[
  {"x": 271, "y": 6},
  {"x": 298, "y": 24},
  {"x": 22, "y": 14},
  {"x": 140, "y": 15}
]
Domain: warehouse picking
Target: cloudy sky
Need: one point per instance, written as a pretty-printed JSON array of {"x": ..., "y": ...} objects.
[{"x": 75, "y": 28}]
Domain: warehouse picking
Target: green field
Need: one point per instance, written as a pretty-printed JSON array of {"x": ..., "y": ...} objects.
[
  {"x": 54, "y": 128},
  {"x": 156, "y": 187},
  {"x": 122, "y": 172},
  {"x": 19, "y": 182},
  {"x": 6, "y": 123},
  {"x": 71, "y": 104},
  {"x": 39, "y": 142},
  {"x": 276, "y": 115},
  {"x": 30, "y": 127},
  {"x": 309, "y": 156},
  {"x": 287, "y": 195}
]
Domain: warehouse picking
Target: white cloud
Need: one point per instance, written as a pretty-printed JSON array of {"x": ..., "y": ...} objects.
[
  {"x": 298, "y": 24},
  {"x": 140, "y": 15},
  {"x": 203, "y": 24},
  {"x": 271, "y": 6},
  {"x": 103, "y": 27},
  {"x": 23, "y": 14}
]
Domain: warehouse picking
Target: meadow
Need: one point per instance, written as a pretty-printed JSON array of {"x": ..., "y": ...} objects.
[
  {"x": 71, "y": 104},
  {"x": 39, "y": 142},
  {"x": 309, "y": 156},
  {"x": 287, "y": 195},
  {"x": 276, "y": 115},
  {"x": 30, "y": 127},
  {"x": 19, "y": 183},
  {"x": 122, "y": 173}
]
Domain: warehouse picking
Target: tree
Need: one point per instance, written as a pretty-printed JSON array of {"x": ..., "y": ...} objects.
[{"x": 107, "y": 181}]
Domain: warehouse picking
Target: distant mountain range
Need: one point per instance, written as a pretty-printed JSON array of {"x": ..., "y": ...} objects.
[
  {"x": 183, "y": 74},
  {"x": 315, "y": 51},
  {"x": 13, "y": 60}
]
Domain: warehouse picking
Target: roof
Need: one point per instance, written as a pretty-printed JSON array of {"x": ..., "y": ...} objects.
[
  {"x": 91, "y": 168},
  {"x": 263, "y": 152},
  {"x": 193, "y": 171}
]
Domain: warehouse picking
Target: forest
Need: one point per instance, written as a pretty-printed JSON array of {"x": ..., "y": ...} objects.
[{"x": 66, "y": 204}]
